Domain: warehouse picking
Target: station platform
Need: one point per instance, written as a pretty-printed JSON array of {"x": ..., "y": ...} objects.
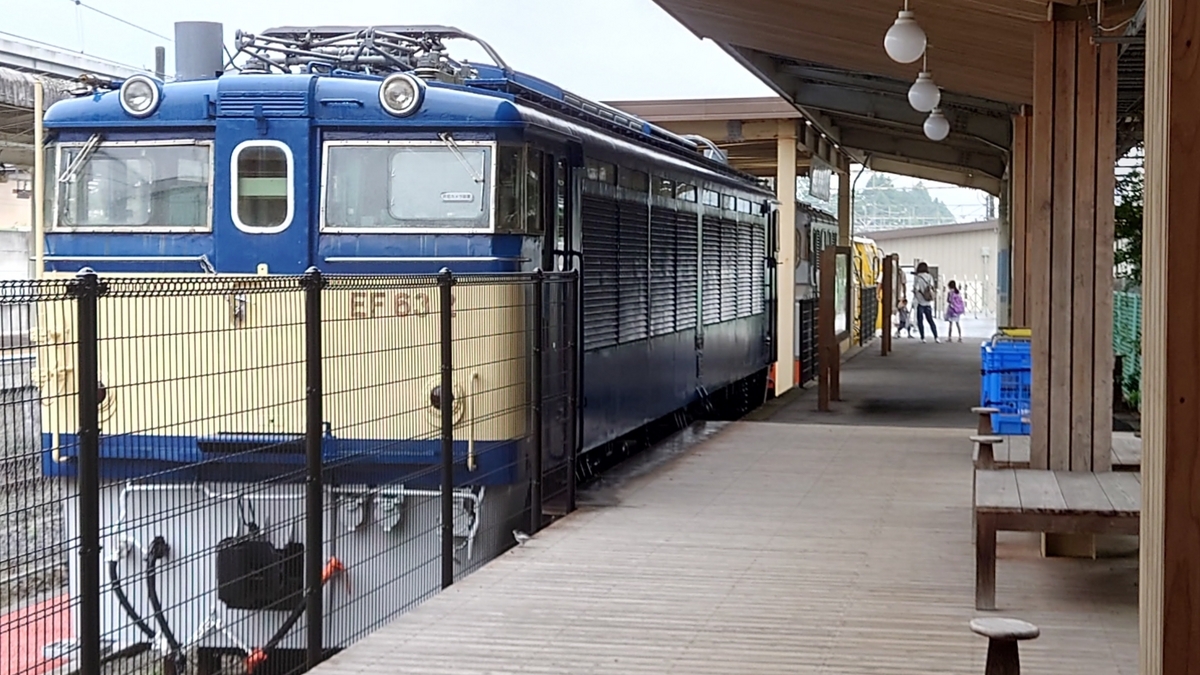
[{"x": 790, "y": 543}]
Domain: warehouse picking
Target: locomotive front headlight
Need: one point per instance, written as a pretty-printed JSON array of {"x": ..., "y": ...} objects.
[
  {"x": 140, "y": 96},
  {"x": 401, "y": 94}
]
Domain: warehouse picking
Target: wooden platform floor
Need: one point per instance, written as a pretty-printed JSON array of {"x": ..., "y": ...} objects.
[{"x": 769, "y": 548}]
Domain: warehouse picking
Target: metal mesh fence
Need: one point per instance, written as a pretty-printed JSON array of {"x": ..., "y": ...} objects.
[
  {"x": 868, "y": 308},
  {"x": 173, "y": 448},
  {"x": 37, "y": 370},
  {"x": 806, "y": 339},
  {"x": 1127, "y": 342}
]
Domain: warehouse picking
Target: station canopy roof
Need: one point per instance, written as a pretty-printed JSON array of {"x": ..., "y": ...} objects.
[{"x": 826, "y": 57}]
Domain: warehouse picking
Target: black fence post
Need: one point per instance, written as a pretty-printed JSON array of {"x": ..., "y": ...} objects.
[
  {"x": 539, "y": 339},
  {"x": 446, "y": 395},
  {"x": 572, "y": 300},
  {"x": 314, "y": 488},
  {"x": 87, "y": 291}
]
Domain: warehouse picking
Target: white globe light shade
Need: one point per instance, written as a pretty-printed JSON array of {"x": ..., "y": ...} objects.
[
  {"x": 904, "y": 41},
  {"x": 937, "y": 127},
  {"x": 924, "y": 95}
]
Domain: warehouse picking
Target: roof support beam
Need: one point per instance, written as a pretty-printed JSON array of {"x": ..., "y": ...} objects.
[
  {"x": 887, "y": 107},
  {"x": 914, "y": 169},
  {"x": 935, "y": 154}
]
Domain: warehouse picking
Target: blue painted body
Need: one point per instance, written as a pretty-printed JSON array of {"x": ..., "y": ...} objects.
[
  {"x": 625, "y": 386},
  {"x": 180, "y": 459}
]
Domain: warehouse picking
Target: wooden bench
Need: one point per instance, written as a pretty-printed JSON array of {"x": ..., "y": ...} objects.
[
  {"x": 1029, "y": 500},
  {"x": 1126, "y": 452}
]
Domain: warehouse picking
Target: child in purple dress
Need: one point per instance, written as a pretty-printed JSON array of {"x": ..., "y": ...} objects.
[{"x": 954, "y": 309}]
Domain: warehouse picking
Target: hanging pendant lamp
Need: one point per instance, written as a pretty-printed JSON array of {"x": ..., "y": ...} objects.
[{"x": 905, "y": 40}]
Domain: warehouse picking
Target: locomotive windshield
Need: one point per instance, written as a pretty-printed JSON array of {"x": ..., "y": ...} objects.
[
  {"x": 131, "y": 185},
  {"x": 438, "y": 185}
]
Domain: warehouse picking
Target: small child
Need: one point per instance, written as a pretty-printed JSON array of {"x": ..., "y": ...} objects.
[
  {"x": 903, "y": 325},
  {"x": 955, "y": 308}
]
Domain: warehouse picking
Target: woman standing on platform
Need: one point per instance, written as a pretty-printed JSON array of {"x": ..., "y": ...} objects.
[{"x": 923, "y": 297}]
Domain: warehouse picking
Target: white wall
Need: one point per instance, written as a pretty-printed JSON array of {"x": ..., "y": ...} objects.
[
  {"x": 16, "y": 214},
  {"x": 965, "y": 257}
]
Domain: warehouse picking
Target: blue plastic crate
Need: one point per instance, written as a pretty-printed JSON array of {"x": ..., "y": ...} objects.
[
  {"x": 1009, "y": 425},
  {"x": 1005, "y": 354},
  {"x": 1005, "y": 383}
]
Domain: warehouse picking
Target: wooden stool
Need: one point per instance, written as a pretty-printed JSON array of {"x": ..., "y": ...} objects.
[
  {"x": 985, "y": 419},
  {"x": 987, "y": 454},
  {"x": 1002, "y": 635},
  {"x": 986, "y": 461}
]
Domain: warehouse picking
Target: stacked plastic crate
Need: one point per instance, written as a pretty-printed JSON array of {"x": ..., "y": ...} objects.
[{"x": 1007, "y": 375}]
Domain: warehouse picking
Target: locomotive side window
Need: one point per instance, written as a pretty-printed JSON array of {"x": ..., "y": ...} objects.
[
  {"x": 261, "y": 192},
  {"x": 139, "y": 186},
  {"x": 407, "y": 186}
]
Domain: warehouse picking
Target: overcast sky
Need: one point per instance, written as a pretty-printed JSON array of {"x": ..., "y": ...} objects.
[
  {"x": 602, "y": 49},
  {"x": 599, "y": 49}
]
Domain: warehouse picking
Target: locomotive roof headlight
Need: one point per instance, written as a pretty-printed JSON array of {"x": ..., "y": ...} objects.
[
  {"x": 140, "y": 96},
  {"x": 401, "y": 94}
]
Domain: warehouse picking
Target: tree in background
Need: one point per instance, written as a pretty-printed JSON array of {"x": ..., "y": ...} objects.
[
  {"x": 1128, "y": 226},
  {"x": 881, "y": 205},
  {"x": 1127, "y": 260}
]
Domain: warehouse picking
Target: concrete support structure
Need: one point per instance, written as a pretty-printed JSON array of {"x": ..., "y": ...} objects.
[
  {"x": 1170, "y": 526},
  {"x": 1069, "y": 233},
  {"x": 785, "y": 190}
]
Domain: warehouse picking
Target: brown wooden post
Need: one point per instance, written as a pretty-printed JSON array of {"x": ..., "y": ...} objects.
[
  {"x": 1019, "y": 210},
  {"x": 1169, "y": 611},
  {"x": 827, "y": 348},
  {"x": 888, "y": 304},
  {"x": 1068, "y": 226}
]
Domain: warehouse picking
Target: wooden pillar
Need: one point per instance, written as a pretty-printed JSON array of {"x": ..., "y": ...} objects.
[
  {"x": 1069, "y": 230},
  {"x": 785, "y": 269},
  {"x": 888, "y": 302},
  {"x": 1170, "y": 525},
  {"x": 845, "y": 205},
  {"x": 1004, "y": 253},
  {"x": 828, "y": 352},
  {"x": 1019, "y": 200}
]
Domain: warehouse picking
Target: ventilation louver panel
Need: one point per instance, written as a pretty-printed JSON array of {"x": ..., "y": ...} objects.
[
  {"x": 687, "y": 270},
  {"x": 601, "y": 234},
  {"x": 663, "y": 270},
  {"x": 633, "y": 280}
]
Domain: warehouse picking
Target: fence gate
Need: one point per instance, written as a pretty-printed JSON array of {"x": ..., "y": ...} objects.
[{"x": 559, "y": 393}]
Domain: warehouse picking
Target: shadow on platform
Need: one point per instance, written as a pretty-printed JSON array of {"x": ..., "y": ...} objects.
[{"x": 917, "y": 385}]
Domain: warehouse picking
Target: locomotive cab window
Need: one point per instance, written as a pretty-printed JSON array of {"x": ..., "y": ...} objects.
[
  {"x": 408, "y": 186},
  {"x": 261, "y": 192},
  {"x": 136, "y": 186}
]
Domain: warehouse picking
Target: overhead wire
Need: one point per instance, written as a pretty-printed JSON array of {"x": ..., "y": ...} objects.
[{"x": 80, "y": 3}]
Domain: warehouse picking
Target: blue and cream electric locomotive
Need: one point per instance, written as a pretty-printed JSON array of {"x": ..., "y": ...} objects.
[{"x": 373, "y": 152}]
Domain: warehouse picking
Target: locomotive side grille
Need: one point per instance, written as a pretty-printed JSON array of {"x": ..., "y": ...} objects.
[
  {"x": 634, "y": 274},
  {"x": 274, "y": 104},
  {"x": 711, "y": 290},
  {"x": 686, "y": 270},
  {"x": 601, "y": 235},
  {"x": 759, "y": 273},
  {"x": 745, "y": 271},
  {"x": 663, "y": 269},
  {"x": 729, "y": 269}
]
